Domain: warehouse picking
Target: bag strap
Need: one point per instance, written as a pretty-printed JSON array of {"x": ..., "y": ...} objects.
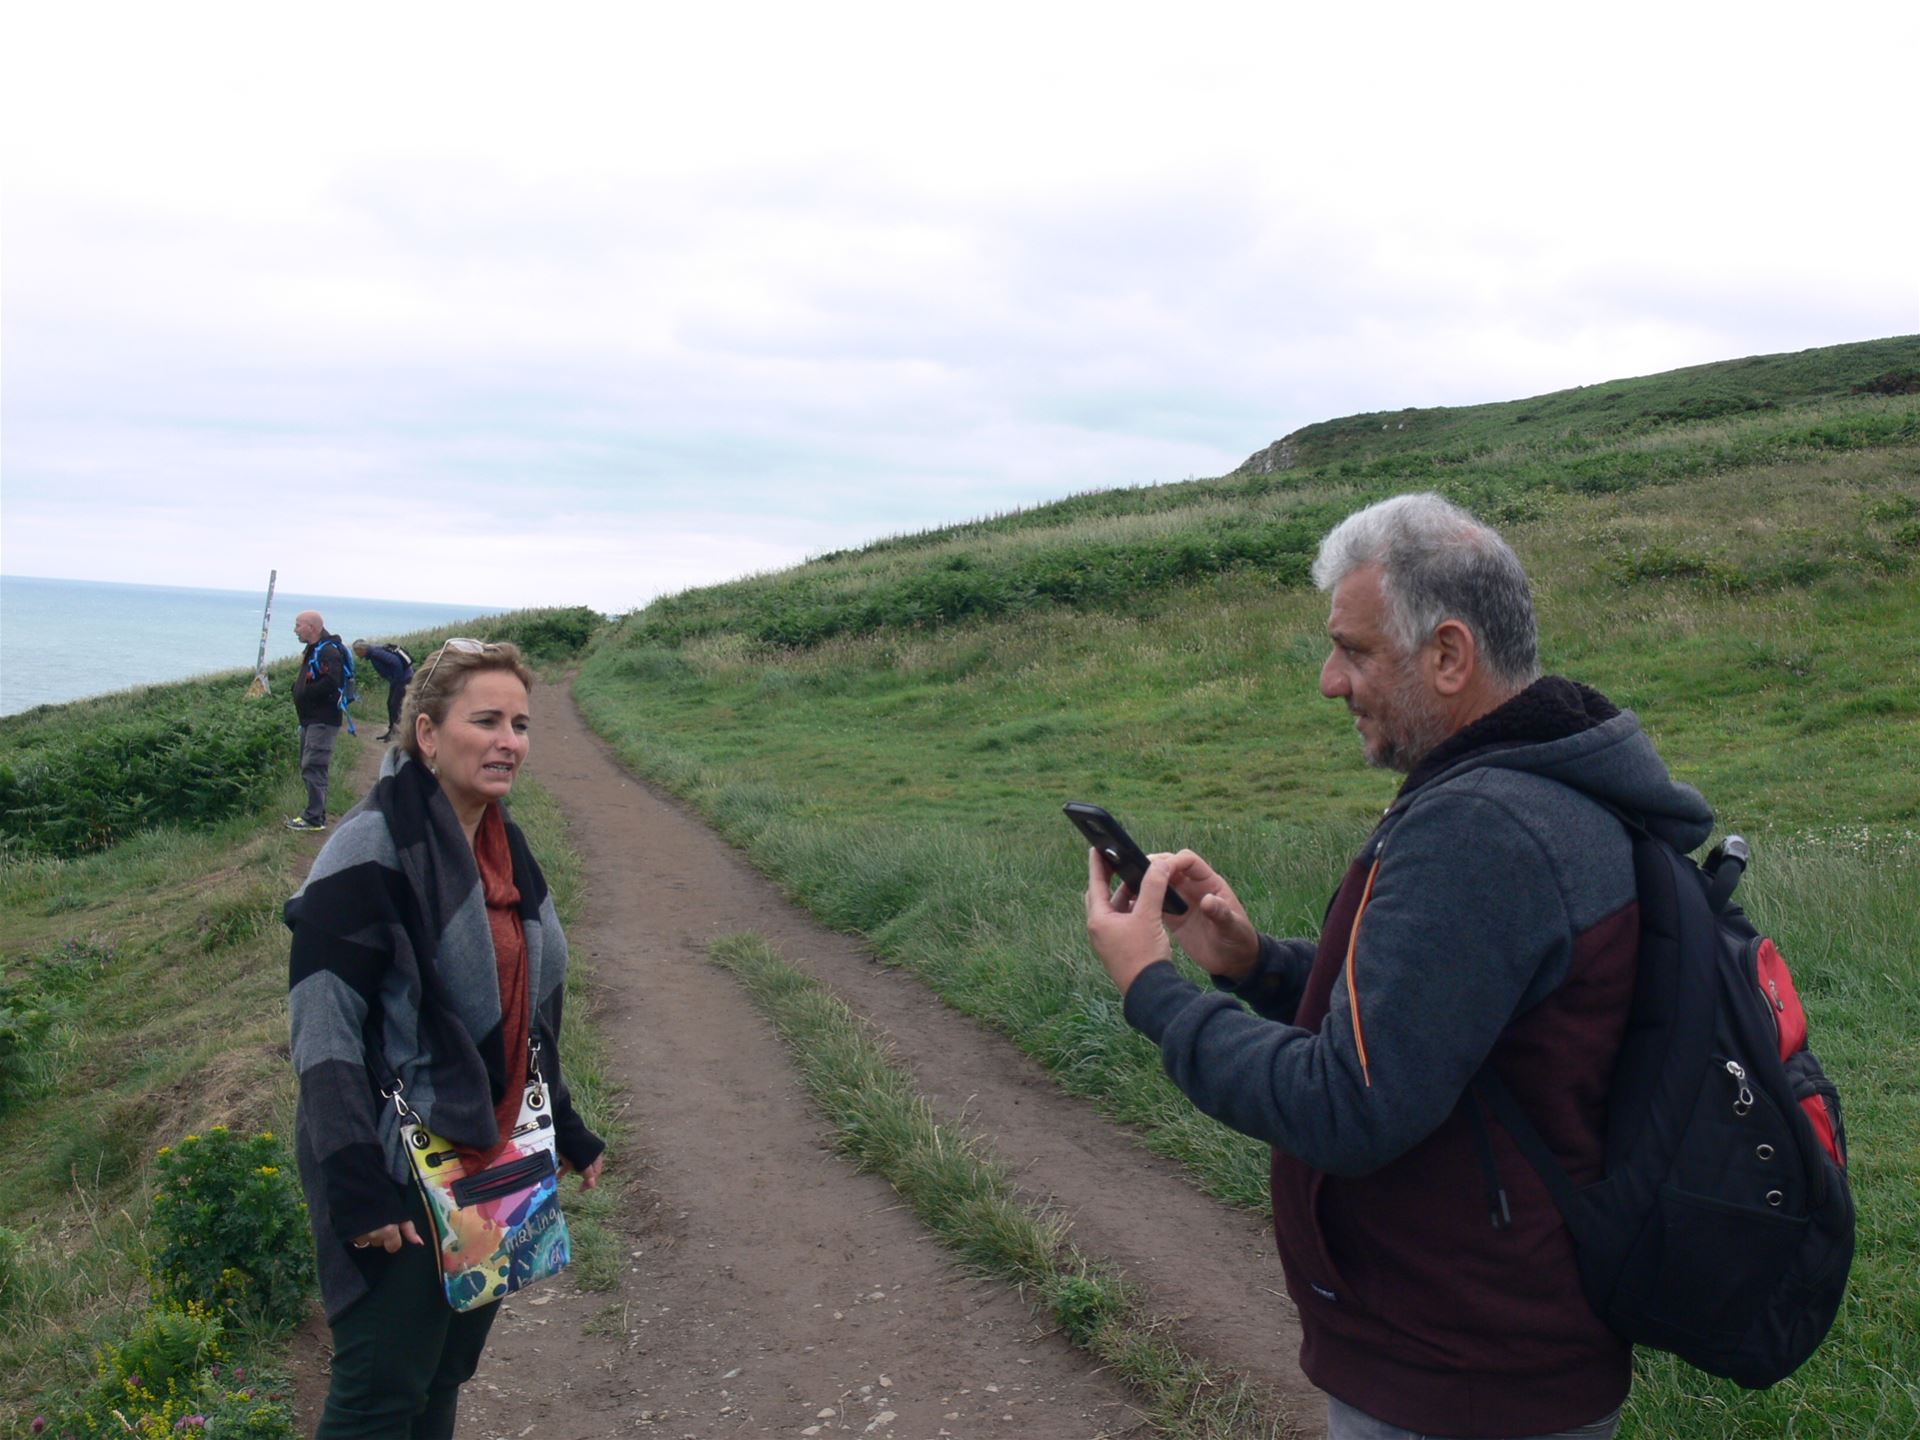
[
  {"x": 392, "y": 1089},
  {"x": 1498, "y": 1210},
  {"x": 1488, "y": 1086}
]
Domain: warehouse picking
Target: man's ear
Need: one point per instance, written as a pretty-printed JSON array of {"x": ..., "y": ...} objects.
[{"x": 1455, "y": 657}]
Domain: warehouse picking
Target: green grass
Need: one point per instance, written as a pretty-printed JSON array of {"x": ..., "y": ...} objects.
[
  {"x": 180, "y": 1023},
  {"x": 1747, "y": 579},
  {"x": 966, "y": 1196}
]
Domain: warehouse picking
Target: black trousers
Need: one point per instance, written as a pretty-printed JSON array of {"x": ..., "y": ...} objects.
[
  {"x": 396, "y": 695},
  {"x": 401, "y": 1353}
]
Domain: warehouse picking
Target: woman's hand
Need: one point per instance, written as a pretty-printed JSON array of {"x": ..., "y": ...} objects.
[
  {"x": 590, "y": 1176},
  {"x": 389, "y": 1237}
]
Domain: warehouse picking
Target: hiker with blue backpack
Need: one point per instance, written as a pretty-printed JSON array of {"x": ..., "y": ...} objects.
[
  {"x": 322, "y": 690},
  {"x": 1537, "y": 1092},
  {"x": 395, "y": 666}
]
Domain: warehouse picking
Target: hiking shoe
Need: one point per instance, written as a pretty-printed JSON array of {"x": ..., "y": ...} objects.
[
  {"x": 299, "y": 822},
  {"x": 384, "y": 735}
]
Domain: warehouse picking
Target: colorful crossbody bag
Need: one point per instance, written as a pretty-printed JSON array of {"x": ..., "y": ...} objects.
[{"x": 499, "y": 1229}]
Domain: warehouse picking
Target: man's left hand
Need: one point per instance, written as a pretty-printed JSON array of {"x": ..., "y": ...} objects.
[{"x": 1125, "y": 929}]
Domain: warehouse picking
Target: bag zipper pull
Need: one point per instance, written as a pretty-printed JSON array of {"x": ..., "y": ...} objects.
[{"x": 1744, "y": 1101}]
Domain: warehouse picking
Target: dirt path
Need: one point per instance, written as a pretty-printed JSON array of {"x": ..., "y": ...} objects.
[{"x": 772, "y": 1290}]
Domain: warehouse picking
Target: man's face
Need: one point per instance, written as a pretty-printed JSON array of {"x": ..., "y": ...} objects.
[
  {"x": 1398, "y": 717},
  {"x": 307, "y": 628}
]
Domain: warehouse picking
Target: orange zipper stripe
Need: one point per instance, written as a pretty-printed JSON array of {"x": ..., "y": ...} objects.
[{"x": 1353, "y": 997}]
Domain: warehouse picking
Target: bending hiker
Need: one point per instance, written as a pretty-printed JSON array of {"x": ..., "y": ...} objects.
[
  {"x": 317, "y": 687},
  {"x": 394, "y": 666},
  {"x": 437, "y": 974},
  {"x": 1490, "y": 918}
]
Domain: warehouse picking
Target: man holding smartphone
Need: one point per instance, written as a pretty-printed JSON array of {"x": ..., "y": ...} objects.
[{"x": 1491, "y": 918}]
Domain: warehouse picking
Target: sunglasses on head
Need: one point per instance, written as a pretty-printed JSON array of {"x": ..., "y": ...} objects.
[{"x": 464, "y": 646}]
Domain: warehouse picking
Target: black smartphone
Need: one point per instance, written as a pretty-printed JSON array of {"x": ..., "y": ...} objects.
[{"x": 1129, "y": 861}]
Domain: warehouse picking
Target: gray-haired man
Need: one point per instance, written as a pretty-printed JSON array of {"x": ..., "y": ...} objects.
[{"x": 1490, "y": 919}]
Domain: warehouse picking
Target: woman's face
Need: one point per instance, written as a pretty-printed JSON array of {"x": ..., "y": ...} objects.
[{"x": 478, "y": 748}]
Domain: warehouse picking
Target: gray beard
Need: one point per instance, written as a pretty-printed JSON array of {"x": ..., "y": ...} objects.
[{"x": 1422, "y": 728}]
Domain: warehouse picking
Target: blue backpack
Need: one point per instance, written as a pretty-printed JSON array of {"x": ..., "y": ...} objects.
[{"x": 349, "y": 691}]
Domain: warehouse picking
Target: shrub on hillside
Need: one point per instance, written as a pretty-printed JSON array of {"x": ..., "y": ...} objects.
[
  {"x": 169, "y": 1376},
  {"x": 1904, "y": 381},
  {"x": 85, "y": 790},
  {"x": 230, "y": 1227},
  {"x": 546, "y": 635}
]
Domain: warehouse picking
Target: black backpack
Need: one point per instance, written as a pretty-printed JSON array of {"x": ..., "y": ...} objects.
[
  {"x": 1722, "y": 1227},
  {"x": 405, "y": 658}
]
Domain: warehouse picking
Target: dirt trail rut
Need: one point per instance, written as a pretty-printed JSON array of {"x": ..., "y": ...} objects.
[{"x": 771, "y": 1290}]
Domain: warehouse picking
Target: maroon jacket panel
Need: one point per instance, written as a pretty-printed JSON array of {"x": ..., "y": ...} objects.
[{"x": 1412, "y": 1304}]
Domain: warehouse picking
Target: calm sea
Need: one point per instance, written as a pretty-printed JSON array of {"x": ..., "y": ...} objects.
[{"x": 63, "y": 640}]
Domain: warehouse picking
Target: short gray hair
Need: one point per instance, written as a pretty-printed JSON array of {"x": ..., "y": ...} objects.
[{"x": 1439, "y": 563}]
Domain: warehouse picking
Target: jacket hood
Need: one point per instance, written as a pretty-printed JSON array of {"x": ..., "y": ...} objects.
[{"x": 1567, "y": 732}]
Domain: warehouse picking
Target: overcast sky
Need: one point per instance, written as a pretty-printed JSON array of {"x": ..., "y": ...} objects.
[{"x": 587, "y": 303}]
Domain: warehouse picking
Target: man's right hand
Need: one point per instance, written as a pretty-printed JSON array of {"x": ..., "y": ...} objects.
[{"x": 1215, "y": 930}]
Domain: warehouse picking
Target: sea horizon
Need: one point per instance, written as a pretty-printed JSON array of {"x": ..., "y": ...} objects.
[{"x": 65, "y": 639}]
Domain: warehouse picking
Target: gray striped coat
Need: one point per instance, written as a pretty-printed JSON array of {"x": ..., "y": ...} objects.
[{"x": 392, "y": 973}]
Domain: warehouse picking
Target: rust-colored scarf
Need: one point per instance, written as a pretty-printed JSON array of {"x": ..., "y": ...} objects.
[{"x": 510, "y": 951}]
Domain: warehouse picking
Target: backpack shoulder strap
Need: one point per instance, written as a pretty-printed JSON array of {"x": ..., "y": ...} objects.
[{"x": 1487, "y": 1086}]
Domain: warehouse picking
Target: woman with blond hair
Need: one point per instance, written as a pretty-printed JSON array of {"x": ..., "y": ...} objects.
[{"x": 426, "y": 952}]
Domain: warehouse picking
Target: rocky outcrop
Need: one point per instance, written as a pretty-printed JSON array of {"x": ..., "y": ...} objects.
[{"x": 1277, "y": 456}]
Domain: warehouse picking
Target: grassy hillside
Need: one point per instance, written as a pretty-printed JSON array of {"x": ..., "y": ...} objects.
[
  {"x": 1592, "y": 414},
  {"x": 1733, "y": 551}
]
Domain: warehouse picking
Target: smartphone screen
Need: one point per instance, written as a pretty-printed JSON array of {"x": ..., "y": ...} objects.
[{"x": 1129, "y": 861}]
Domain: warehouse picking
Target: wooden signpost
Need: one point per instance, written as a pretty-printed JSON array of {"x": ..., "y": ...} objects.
[{"x": 260, "y": 686}]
